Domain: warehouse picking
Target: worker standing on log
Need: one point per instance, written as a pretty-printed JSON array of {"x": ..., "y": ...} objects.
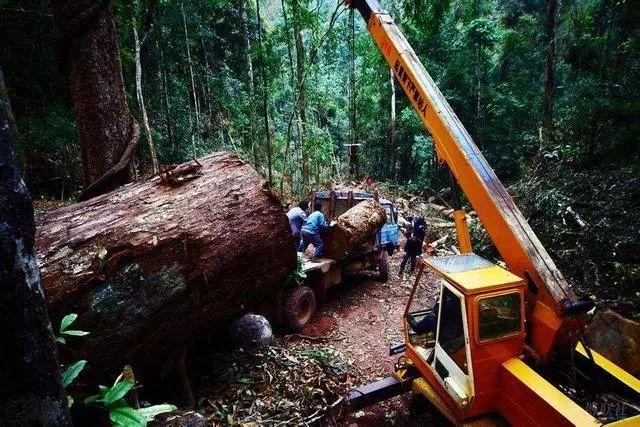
[
  {"x": 297, "y": 218},
  {"x": 310, "y": 233}
]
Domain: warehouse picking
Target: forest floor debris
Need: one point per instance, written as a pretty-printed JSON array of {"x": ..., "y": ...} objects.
[
  {"x": 278, "y": 386},
  {"x": 301, "y": 379}
]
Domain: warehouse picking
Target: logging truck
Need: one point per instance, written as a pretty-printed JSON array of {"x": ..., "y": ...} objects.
[
  {"x": 299, "y": 300},
  {"x": 502, "y": 344}
]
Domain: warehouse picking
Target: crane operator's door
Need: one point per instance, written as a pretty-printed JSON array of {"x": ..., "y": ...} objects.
[{"x": 452, "y": 352}]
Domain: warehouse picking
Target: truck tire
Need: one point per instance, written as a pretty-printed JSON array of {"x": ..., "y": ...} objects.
[
  {"x": 299, "y": 307},
  {"x": 383, "y": 266}
]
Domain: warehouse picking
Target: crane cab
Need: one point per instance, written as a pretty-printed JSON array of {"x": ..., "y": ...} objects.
[{"x": 459, "y": 334}]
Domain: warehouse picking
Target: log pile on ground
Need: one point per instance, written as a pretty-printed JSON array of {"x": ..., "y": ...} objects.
[
  {"x": 157, "y": 263},
  {"x": 428, "y": 209},
  {"x": 353, "y": 229}
]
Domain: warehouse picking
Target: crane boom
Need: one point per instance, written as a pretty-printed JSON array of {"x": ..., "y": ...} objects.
[{"x": 550, "y": 298}]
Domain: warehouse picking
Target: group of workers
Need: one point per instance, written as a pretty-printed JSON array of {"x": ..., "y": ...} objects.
[{"x": 307, "y": 229}]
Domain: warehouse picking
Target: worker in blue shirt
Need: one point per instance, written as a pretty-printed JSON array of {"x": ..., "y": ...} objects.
[{"x": 310, "y": 233}]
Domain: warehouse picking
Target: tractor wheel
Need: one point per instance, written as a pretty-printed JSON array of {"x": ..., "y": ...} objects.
[
  {"x": 299, "y": 307},
  {"x": 383, "y": 266}
]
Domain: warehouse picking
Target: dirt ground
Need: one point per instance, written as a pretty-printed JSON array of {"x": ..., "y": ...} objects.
[{"x": 358, "y": 322}]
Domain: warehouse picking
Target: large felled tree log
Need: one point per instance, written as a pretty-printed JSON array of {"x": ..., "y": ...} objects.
[
  {"x": 30, "y": 389},
  {"x": 154, "y": 264},
  {"x": 354, "y": 228}
]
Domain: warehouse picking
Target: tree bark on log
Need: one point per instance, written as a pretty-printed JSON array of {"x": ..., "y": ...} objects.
[
  {"x": 154, "y": 264},
  {"x": 353, "y": 229},
  {"x": 30, "y": 389}
]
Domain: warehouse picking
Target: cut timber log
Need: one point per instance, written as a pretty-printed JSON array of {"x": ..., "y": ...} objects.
[
  {"x": 155, "y": 264},
  {"x": 353, "y": 229}
]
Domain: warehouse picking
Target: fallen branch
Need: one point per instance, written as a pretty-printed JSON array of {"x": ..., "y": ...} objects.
[
  {"x": 576, "y": 217},
  {"x": 286, "y": 338},
  {"x": 176, "y": 175}
]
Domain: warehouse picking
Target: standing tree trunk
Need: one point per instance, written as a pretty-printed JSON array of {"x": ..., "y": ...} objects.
[
  {"x": 295, "y": 118},
  {"x": 302, "y": 108},
  {"x": 108, "y": 133},
  {"x": 30, "y": 389},
  {"x": 265, "y": 98},
  {"x": 165, "y": 86},
  {"x": 196, "y": 105},
  {"x": 140, "y": 98},
  {"x": 550, "y": 37},
  {"x": 206, "y": 86},
  {"x": 392, "y": 121},
  {"x": 353, "y": 132},
  {"x": 4, "y": 97},
  {"x": 250, "y": 82},
  {"x": 479, "y": 71}
]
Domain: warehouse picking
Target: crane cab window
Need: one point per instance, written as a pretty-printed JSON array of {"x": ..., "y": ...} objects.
[
  {"x": 499, "y": 316},
  {"x": 422, "y": 313},
  {"x": 451, "y": 335}
]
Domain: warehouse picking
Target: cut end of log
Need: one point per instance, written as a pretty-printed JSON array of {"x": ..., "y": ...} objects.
[{"x": 354, "y": 228}]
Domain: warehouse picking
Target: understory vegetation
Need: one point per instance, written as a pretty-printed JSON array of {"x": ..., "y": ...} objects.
[{"x": 551, "y": 97}]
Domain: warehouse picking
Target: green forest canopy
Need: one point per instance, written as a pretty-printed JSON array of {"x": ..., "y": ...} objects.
[{"x": 487, "y": 56}]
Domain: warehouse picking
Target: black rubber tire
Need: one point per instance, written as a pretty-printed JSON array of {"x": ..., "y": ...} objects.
[
  {"x": 383, "y": 266},
  {"x": 299, "y": 307}
]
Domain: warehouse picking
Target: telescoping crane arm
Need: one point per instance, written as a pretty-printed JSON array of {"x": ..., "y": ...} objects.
[{"x": 551, "y": 301}]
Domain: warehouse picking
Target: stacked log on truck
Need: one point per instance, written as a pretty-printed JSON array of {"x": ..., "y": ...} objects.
[
  {"x": 354, "y": 228},
  {"x": 352, "y": 242},
  {"x": 158, "y": 263}
]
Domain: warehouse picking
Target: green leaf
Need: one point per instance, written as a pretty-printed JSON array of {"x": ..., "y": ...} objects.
[
  {"x": 74, "y": 333},
  {"x": 69, "y": 401},
  {"x": 61, "y": 340},
  {"x": 70, "y": 374},
  {"x": 126, "y": 417},
  {"x": 150, "y": 412},
  {"x": 92, "y": 399},
  {"x": 118, "y": 391},
  {"x": 103, "y": 389},
  {"x": 67, "y": 321},
  {"x": 120, "y": 403}
]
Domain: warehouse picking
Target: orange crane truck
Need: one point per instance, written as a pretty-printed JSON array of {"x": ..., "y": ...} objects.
[{"x": 500, "y": 344}]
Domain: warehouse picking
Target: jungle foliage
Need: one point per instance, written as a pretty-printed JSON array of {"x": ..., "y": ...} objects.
[{"x": 272, "y": 81}]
